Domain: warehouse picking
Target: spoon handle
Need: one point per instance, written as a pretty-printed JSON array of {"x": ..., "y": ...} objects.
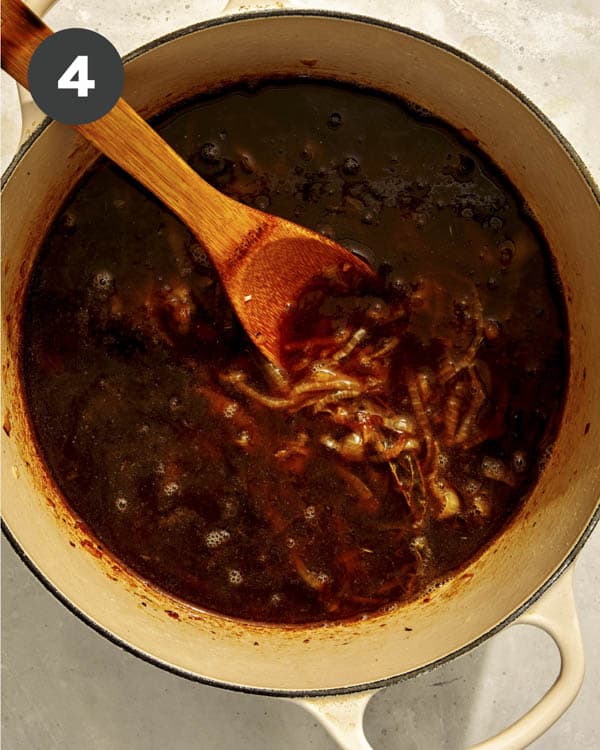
[
  {"x": 130, "y": 142},
  {"x": 22, "y": 32}
]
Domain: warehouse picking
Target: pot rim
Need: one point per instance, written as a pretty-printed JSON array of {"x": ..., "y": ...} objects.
[{"x": 586, "y": 532}]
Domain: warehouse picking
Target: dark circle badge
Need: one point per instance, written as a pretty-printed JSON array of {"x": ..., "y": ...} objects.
[{"x": 76, "y": 76}]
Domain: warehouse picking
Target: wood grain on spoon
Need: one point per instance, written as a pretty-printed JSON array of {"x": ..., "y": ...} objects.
[{"x": 264, "y": 262}]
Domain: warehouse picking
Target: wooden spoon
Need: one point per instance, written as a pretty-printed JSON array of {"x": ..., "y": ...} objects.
[{"x": 264, "y": 262}]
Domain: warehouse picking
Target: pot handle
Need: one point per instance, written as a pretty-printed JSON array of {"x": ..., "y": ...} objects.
[
  {"x": 31, "y": 114},
  {"x": 555, "y": 613}
]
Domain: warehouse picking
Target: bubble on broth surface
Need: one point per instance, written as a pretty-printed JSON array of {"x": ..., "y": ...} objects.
[
  {"x": 351, "y": 165},
  {"x": 199, "y": 254},
  {"x": 235, "y": 577},
  {"x": 230, "y": 410},
  {"x": 506, "y": 251},
  {"x": 103, "y": 283},
  {"x": 243, "y": 438},
  {"x": 496, "y": 469},
  {"x": 121, "y": 503},
  {"x": 335, "y": 120},
  {"x": 472, "y": 487},
  {"x": 210, "y": 153},
  {"x": 216, "y": 538},
  {"x": 68, "y": 222},
  {"x": 368, "y": 217},
  {"x": 519, "y": 461}
]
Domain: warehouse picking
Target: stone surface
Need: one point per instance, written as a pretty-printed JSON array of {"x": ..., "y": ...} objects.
[{"x": 66, "y": 687}]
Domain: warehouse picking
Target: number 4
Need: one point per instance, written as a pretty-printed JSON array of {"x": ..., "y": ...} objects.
[{"x": 76, "y": 77}]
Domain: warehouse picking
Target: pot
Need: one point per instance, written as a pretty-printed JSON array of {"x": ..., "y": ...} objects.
[{"x": 334, "y": 669}]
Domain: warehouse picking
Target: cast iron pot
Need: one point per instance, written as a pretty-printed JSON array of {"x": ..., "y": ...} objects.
[{"x": 334, "y": 669}]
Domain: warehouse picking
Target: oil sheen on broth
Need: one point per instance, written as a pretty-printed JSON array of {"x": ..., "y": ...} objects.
[{"x": 414, "y": 415}]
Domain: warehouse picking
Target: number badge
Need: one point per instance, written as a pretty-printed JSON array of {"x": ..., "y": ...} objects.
[{"x": 76, "y": 76}]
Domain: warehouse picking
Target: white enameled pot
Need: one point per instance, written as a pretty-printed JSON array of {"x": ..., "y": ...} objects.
[{"x": 523, "y": 576}]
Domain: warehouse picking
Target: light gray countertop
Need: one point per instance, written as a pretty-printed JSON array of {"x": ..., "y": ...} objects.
[{"x": 66, "y": 687}]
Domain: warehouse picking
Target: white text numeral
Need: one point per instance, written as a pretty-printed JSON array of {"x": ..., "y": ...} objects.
[{"x": 76, "y": 77}]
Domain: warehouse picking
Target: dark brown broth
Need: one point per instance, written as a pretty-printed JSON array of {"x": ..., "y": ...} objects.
[{"x": 128, "y": 334}]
